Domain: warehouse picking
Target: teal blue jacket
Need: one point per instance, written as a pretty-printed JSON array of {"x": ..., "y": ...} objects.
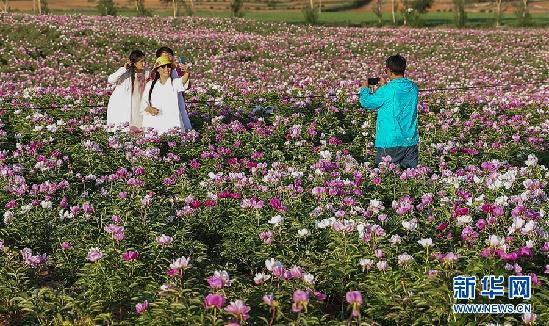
[{"x": 396, "y": 105}]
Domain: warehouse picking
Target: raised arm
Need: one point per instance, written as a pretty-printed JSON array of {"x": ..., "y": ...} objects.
[
  {"x": 115, "y": 77},
  {"x": 372, "y": 100},
  {"x": 181, "y": 84}
]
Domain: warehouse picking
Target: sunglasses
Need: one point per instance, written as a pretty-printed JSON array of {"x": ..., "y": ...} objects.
[{"x": 165, "y": 66}]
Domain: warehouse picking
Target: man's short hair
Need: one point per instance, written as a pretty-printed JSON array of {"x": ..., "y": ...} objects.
[
  {"x": 163, "y": 49},
  {"x": 396, "y": 64}
]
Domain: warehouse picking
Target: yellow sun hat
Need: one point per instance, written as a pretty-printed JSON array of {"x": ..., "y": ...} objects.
[{"x": 163, "y": 60}]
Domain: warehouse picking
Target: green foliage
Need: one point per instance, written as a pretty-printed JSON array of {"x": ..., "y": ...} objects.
[
  {"x": 106, "y": 7},
  {"x": 311, "y": 15},
  {"x": 413, "y": 10},
  {"x": 44, "y": 6},
  {"x": 460, "y": 17},
  {"x": 272, "y": 4},
  {"x": 237, "y": 8},
  {"x": 422, "y": 6},
  {"x": 377, "y": 11},
  {"x": 522, "y": 13},
  {"x": 141, "y": 9}
]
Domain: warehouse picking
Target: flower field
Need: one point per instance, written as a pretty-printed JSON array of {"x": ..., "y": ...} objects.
[{"x": 270, "y": 211}]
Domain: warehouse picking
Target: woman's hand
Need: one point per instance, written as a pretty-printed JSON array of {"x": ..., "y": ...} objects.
[
  {"x": 152, "y": 110},
  {"x": 184, "y": 67}
]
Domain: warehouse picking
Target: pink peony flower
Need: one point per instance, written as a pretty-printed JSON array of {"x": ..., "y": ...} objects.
[
  {"x": 164, "y": 240},
  {"x": 141, "y": 307},
  {"x": 266, "y": 237},
  {"x": 320, "y": 296},
  {"x": 238, "y": 309},
  {"x": 529, "y": 318},
  {"x": 268, "y": 299},
  {"x": 130, "y": 255},
  {"x": 355, "y": 299},
  {"x": 214, "y": 300},
  {"x": 301, "y": 300},
  {"x": 94, "y": 254},
  {"x": 66, "y": 245}
]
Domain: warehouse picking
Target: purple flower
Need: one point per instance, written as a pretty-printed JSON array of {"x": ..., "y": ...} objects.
[
  {"x": 276, "y": 203},
  {"x": 266, "y": 237},
  {"x": 164, "y": 240},
  {"x": 529, "y": 318},
  {"x": 296, "y": 272},
  {"x": 378, "y": 253},
  {"x": 355, "y": 299},
  {"x": 33, "y": 260},
  {"x": 301, "y": 300},
  {"x": 94, "y": 254},
  {"x": 215, "y": 282},
  {"x": 525, "y": 252},
  {"x": 66, "y": 245},
  {"x": 141, "y": 307},
  {"x": 214, "y": 300},
  {"x": 130, "y": 255},
  {"x": 219, "y": 280},
  {"x": 320, "y": 296},
  {"x": 269, "y": 300},
  {"x": 432, "y": 273}
]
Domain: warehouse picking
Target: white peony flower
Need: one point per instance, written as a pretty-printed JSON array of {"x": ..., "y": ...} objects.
[{"x": 425, "y": 243}]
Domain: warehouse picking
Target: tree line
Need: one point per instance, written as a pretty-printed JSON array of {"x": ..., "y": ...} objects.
[{"x": 411, "y": 11}]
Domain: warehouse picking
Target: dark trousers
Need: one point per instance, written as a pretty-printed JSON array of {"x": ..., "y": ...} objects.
[{"x": 406, "y": 157}]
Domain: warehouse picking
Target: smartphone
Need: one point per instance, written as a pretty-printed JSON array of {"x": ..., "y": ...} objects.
[
  {"x": 182, "y": 60},
  {"x": 373, "y": 81}
]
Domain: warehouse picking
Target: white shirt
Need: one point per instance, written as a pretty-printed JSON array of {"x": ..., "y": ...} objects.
[
  {"x": 121, "y": 104},
  {"x": 164, "y": 98}
]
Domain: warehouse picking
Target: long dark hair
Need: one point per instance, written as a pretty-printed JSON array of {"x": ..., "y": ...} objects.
[{"x": 135, "y": 56}]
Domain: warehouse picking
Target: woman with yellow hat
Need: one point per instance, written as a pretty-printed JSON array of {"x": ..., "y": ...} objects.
[
  {"x": 160, "y": 104},
  {"x": 125, "y": 102}
]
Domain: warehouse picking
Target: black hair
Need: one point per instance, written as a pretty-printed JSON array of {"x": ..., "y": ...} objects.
[
  {"x": 163, "y": 49},
  {"x": 135, "y": 56},
  {"x": 396, "y": 64}
]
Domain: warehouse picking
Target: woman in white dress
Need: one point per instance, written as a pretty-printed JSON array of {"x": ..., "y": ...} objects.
[
  {"x": 125, "y": 102},
  {"x": 160, "y": 105}
]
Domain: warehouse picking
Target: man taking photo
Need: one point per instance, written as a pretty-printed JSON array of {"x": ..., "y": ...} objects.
[{"x": 396, "y": 105}]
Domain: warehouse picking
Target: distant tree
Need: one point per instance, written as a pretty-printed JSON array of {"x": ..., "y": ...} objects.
[
  {"x": 378, "y": 13},
  {"x": 310, "y": 13},
  {"x": 501, "y": 6},
  {"x": 522, "y": 13},
  {"x": 419, "y": 7},
  {"x": 4, "y": 5},
  {"x": 460, "y": 16},
  {"x": 272, "y": 4},
  {"x": 44, "y": 9},
  {"x": 189, "y": 7},
  {"x": 237, "y": 8},
  {"x": 394, "y": 5},
  {"x": 406, "y": 11},
  {"x": 140, "y": 7},
  {"x": 105, "y": 7},
  {"x": 175, "y": 6}
]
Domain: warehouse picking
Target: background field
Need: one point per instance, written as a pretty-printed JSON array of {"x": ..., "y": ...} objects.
[{"x": 479, "y": 13}]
